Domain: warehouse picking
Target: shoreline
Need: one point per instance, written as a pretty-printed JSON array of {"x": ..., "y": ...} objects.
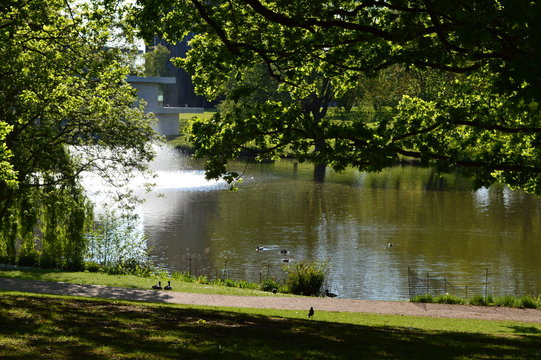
[{"x": 275, "y": 302}]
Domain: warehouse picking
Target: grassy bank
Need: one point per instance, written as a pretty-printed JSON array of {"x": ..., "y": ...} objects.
[
  {"x": 52, "y": 327},
  {"x": 522, "y": 302},
  {"x": 125, "y": 281}
]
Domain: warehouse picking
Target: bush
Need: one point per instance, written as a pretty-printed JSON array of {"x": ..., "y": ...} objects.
[
  {"x": 74, "y": 265},
  {"x": 423, "y": 299},
  {"x": 305, "y": 278},
  {"x": 118, "y": 243},
  {"x": 243, "y": 284},
  {"x": 448, "y": 299},
  {"x": 92, "y": 266},
  {"x": 528, "y": 302},
  {"x": 202, "y": 279},
  {"x": 130, "y": 267},
  {"x": 184, "y": 276},
  {"x": 30, "y": 259},
  {"x": 506, "y": 301},
  {"x": 480, "y": 300},
  {"x": 269, "y": 284}
]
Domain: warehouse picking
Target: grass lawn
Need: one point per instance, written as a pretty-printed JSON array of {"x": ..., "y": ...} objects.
[
  {"x": 125, "y": 281},
  {"x": 50, "y": 327}
]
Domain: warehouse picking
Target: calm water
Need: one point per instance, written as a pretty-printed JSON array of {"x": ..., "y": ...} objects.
[{"x": 436, "y": 225}]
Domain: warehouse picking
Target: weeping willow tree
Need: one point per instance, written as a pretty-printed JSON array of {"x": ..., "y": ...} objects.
[{"x": 65, "y": 111}]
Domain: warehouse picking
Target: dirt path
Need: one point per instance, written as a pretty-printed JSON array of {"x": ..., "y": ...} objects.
[{"x": 275, "y": 302}]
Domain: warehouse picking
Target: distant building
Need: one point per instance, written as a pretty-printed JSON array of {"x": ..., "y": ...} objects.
[
  {"x": 182, "y": 92},
  {"x": 153, "y": 91}
]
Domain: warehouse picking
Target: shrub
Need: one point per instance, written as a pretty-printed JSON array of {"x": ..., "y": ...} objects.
[
  {"x": 480, "y": 300},
  {"x": 506, "y": 301},
  {"x": 202, "y": 279},
  {"x": 528, "y": 302},
  {"x": 130, "y": 267},
  {"x": 30, "y": 259},
  {"x": 423, "y": 299},
  {"x": 448, "y": 299},
  {"x": 305, "y": 278},
  {"x": 184, "y": 276},
  {"x": 92, "y": 266},
  {"x": 243, "y": 284},
  {"x": 118, "y": 243},
  {"x": 269, "y": 284}
]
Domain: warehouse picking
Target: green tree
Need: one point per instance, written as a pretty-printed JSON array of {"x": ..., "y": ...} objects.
[
  {"x": 65, "y": 111},
  {"x": 156, "y": 61},
  {"x": 489, "y": 122}
]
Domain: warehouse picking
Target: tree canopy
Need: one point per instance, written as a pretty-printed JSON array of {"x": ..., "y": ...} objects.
[
  {"x": 484, "y": 56},
  {"x": 65, "y": 110}
]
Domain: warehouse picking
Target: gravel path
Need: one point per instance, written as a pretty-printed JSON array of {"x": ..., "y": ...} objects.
[{"x": 275, "y": 302}]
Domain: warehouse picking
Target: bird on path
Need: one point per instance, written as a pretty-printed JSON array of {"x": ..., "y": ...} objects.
[
  {"x": 311, "y": 312},
  {"x": 157, "y": 287},
  {"x": 168, "y": 286},
  {"x": 330, "y": 294}
]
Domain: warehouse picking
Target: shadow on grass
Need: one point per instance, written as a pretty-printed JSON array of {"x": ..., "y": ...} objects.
[
  {"x": 71, "y": 289},
  {"x": 527, "y": 330},
  {"x": 33, "y": 326}
]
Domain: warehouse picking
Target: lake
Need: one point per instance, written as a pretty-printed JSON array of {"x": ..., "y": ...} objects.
[{"x": 465, "y": 242}]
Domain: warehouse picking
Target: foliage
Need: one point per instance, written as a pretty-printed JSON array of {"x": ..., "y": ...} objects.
[
  {"x": 118, "y": 245},
  {"x": 480, "y": 110},
  {"x": 156, "y": 61},
  {"x": 480, "y": 300},
  {"x": 92, "y": 266},
  {"x": 29, "y": 329},
  {"x": 270, "y": 284},
  {"x": 423, "y": 299},
  {"x": 305, "y": 278},
  {"x": 529, "y": 302},
  {"x": 506, "y": 300},
  {"x": 448, "y": 299},
  {"x": 65, "y": 111}
]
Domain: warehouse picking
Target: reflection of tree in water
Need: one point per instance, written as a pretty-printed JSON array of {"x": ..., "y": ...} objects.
[{"x": 436, "y": 224}]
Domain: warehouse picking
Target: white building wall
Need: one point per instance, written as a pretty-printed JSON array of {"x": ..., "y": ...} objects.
[{"x": 168, "y": 117}]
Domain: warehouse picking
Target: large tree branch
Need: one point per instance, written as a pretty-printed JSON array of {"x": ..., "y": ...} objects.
[{"x": 220, "y": 32}]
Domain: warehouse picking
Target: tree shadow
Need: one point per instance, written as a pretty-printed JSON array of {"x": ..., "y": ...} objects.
[
  {"x": 103, "y": 329},
  {"x": 532, "y": 330},
  {"x": 97, "y": 291}
]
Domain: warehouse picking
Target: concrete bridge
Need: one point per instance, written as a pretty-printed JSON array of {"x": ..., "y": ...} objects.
[{"x": 150, "y": 89}]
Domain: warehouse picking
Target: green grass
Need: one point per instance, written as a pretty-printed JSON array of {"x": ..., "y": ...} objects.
[
  {"x": 37, "y": 326},
  {"x": 125, "y": 281},
  {"x": 526, "y": 301}
]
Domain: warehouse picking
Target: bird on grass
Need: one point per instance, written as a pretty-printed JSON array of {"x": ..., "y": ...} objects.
[
  {"x": 283, "y": 251},
  {"x": 157, "y": 287},
  {"x": 259, "y": 248},
  {"x": 274, "y": 291},
  {"x": 285, "y": 260},
  {"x": 330, "y": 294},
  {"x": 168, "y": 286},
  {"x": 311, "y": 312}
]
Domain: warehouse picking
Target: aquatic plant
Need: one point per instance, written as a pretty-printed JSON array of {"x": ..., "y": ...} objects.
[{"x": 305, "y": 278}]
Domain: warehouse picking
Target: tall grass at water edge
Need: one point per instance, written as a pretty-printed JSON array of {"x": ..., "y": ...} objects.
[{"x": 523, "y": 302}]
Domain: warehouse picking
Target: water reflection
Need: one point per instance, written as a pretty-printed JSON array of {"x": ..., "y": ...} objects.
[{"x": 437, "y": 225}]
